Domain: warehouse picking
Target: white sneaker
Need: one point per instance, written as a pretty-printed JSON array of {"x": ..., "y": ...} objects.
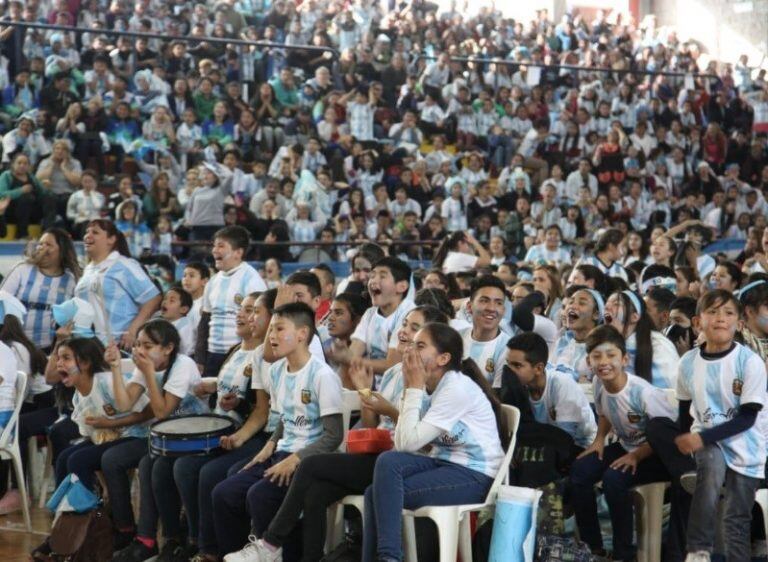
[
  {"x": 688, "y": 482},
  {"x": 698, "y": 556},
  {"x": 248, "y": 553},
  {"x": 267, "y": 554}
]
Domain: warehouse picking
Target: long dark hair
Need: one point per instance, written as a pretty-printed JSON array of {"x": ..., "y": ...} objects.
[
  {"x": 87, "y": 350},
  {"x": 67, "y": 253},
  {"x": 447, "y": 340},
  {"x": 121, "y": 244},
  {"x": 12, "y": 332},
  {"x": 449, "y": 244},
  {"x": 161, "y": 332},
  {"x": 643, "y": 341}
]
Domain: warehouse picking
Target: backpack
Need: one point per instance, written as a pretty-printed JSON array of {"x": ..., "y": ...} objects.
[
  {"x": 554, "y": 548},
  {"x": 80, "y": 537}
]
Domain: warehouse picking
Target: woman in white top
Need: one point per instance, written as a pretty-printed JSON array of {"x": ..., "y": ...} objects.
[
  {"x": 448, "y": 455},
  {"x": 461, "y": 252}
]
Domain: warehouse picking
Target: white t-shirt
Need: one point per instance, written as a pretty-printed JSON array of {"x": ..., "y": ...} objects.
[
  {"x": 716, "y": 389},
  {"x": 302, "y": 399},
  {"x": 458, "y": 262},
  {"x": 181, "y": 381},
  {"x": 564, "y": 404},
  {"x": 261, "y": 380},
  {"x": 222, "y": 297},
  {"x": 378, "y": 332},
  {"x": 187, "y": 335},
  {"x": 630, "y": 409},
  {"x": 470, "y": 438},
  {"x": 489, "y": 355},
  {"x": 101, "y": 403}
]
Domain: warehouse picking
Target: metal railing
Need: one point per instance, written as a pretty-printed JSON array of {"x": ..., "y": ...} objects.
[
  {"x": 507, "y": 62},
  {"x": 185, "y": 38}
]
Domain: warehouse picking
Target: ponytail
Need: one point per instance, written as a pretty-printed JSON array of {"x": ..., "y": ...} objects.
[
  {"x": 448, "y": 244},
  {"x": 643, "y": 335}
]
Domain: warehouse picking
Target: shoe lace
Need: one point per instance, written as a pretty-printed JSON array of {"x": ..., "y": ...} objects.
[{"x": 252, "y": 545}]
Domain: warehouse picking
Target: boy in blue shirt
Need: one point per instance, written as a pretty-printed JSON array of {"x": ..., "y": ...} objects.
[{"x": 307, "y": 395}]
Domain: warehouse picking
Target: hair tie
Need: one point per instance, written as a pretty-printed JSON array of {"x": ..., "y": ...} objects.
[
  {"x": 634, "y": 300},
  {"x": 750, "y": 286},
  {"x": 599, "y": 302}
]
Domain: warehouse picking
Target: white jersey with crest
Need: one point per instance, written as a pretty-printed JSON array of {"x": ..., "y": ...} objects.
[
  {"x": 564, "y": 404},
  {"x": 717, "y": 387},
  {"x": 261, "y": 380},
  {"x": 571, "y": 356},
  {"x": 301, "y": 399},
  {"x": 630, "y": 409},
  {"x": 101, "y": 403},
  {"x": 378, "y": 332},
  {"x": 462, "y": 411},
  {"x": 234, "y": 378},
  {"x": 490, "y": 356}
]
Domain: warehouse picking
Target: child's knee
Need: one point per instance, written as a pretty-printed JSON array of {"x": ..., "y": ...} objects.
[
  {"x": 583, "y": 471},
  {"x": 616, "y": 480}
]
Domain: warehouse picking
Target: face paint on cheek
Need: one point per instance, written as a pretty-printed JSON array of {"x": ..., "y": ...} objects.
[
  {"x": 762, "y": 321},
  {"x": 155, "y": 356}
]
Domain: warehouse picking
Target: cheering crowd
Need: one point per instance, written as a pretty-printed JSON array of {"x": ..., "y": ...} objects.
[{"x": 562, "y": 180}]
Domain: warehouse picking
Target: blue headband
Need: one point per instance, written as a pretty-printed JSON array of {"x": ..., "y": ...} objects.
[
  {"x": 634, "y": 300},
  {"x": 599, "y": 302},
  {"x": 659, "y": 281},
  {"x": 750, "y": 286}
]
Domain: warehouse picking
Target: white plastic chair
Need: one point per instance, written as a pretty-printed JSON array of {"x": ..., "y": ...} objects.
[
  {"x": 452, "y": 521},
  {"x": 351, "y": 403},
  {"x": 649, "y": 505},
  {"x": 9, "y": 445}
]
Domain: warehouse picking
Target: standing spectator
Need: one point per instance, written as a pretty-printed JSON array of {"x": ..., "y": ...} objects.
[{"x": 86, "y": 204}]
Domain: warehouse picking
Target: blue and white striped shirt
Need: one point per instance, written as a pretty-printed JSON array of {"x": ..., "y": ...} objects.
[
  {"x": 221, "y": 299},
  {"x": 235, "y": 378},
  {"x": 125, "y": 287},
  {"x": 39, "y": 293}
]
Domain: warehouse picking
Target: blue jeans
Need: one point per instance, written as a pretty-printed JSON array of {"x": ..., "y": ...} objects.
[
  {"x": 245, "y": 494},
  {"x": 116, "y": 464},
  {"x": 84, "y": 459},
  {"x": 411, "y": 481},
  {"x": 711, "y": 473},
  {"x": 588, "y": 471},
  {"x": 196, "y": 477}
]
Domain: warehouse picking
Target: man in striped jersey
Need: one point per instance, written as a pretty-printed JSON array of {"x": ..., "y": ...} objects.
[{"x": 223, "y": 295}]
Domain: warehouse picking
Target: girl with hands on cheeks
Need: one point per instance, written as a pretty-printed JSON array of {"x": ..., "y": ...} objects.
[{"x": 624, "y": 404}]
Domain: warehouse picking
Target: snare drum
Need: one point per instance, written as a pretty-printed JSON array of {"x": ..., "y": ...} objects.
[{"x": 183, "y": 436}]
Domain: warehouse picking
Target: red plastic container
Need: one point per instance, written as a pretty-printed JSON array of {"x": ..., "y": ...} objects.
[{"x": 367, "y": 441}]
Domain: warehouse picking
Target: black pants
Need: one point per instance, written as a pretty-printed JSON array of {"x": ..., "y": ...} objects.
[
  {"x": 661, "y": 433},
  {"x": 31, "y": 207},
  {"x": 319, "y": 482}
]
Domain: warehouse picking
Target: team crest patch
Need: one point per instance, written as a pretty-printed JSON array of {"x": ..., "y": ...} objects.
[
  {"x": 109, "y": 410},
  {"x": 489, "y": 365},
  {"x": 238, "y": 299},
  {"x": 634, "y": 417},
  {"x": 248, "y": 371},
  {"x": 737, "y": 386},
  {"x": 306, "y": 396}
]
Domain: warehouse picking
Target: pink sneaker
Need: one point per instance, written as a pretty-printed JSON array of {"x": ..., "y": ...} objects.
[{"x": 10, "y": 502}]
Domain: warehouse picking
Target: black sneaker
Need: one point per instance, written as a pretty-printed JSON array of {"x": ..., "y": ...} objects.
[
  {"x": 135, "y": 552},
  {"x": 170, "y": 552},
  {"x": 121, "y": 539}
]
